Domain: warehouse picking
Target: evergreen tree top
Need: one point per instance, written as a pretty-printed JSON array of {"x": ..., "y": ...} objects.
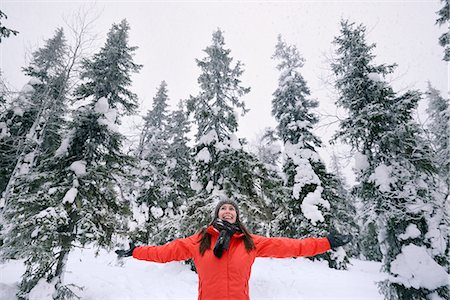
[
  {"x": 288, "y": 55},
  {"x": 49, "y": 59},
  {"x": 220, "y": 92},
  {"x": 444, "y": 13},
  {"x": 108, "y": 73},
  {"x": 157, "y": 116},
  {"x": 373, "y": 107},
  {"x": 355, "y": 54},
  {"x": 292, "y": 103}
]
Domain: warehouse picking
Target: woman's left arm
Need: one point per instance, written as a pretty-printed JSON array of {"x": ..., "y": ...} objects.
[{"x": 286, "y": 247}]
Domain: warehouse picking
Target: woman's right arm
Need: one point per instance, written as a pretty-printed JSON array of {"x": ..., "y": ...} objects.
[
  {"x": 286, "y": 247},
  {"x": 180, "y": 249}
]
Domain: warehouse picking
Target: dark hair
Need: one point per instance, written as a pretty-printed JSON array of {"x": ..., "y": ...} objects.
[{"x": 205, "y": 237}]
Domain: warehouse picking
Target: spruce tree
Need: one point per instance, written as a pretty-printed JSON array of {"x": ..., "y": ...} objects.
[
  {"x": 396, "y": 175},
  {"x": 222, "y": 169},
  {"x": 439, "y": 130},
  {"x": 152, "y": 151},
  {"x": 272, "y": 188},
  {"x": 313, "y": 198},
  {"x": 178, "y": 170},
  {"x": 74, "y": 199},
  {"x": 444, "y": 19},
  {"x": 30, "y": 119},
  {"x": 345, "y": 213}
]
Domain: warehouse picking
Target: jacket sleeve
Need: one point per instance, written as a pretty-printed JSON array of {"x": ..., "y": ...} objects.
[
  {"x": 180, "y": 249},
  {"x": 286, "y": 247}
]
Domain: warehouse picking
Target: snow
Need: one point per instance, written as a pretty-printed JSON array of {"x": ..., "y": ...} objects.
[
  {"x": 3, "y": 130},
  {"x": 18, "y": 111},
  {"x": 51, "y": 213},
  {"x": 411, "y": 232},
  {"x": 208, "y": 138},
  {"x": 436, "y": 237},
  {"x": 35, "y": 81},
  {"x": 65, "y": 143},
  {"x": 140, "y": 214},
  {"x": 375, "y": 77},
  {"x": 101, "y": 106},
  {"x": 382, "y": 177},
  {"x": 209, "y": 187},
  {"x": 104, "y": 277},
  {"x": 234, "y": 142},
  {"x": 43, "y": 290},
  {"x": 361, "y": 162},
  {"x": 415, "y": 268},
  {"x": 27, "y": 89},
  {"x": 156, "y": 212},
  {"x": 310, "y": 208},
  {"x": 195, "y": 184},
  {"x": 26, "y": 165},
  {"x": 78, "y": 167},
  {"x": 110, "y": 114},
  {"x": 70, "y": 196},
  {"x": 304, "y": 175},
  {"x": 203, "y": 155},
  {"x": 231, "y": 143}
]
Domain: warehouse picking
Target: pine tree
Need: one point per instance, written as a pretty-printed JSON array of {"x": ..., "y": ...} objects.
[
  {"x": 439, "y": 112},
  {"x": 222, "y": 169},
  {"x": 33, "y": 133},
  {"x": 313, "y": 197},
  {"x": 30, "y": 119},
  {"x": 272, "y": 188},
  {"x": 178, "y": 170},
  {"x": 344, "y": 212},
  {"x": 153, "y": 150},
  {"x": 439, "y": 130},
  {"x": 396, "y": 177},
  {"x": 444, "y": 19},
  {"x": 73, "y": 199}
]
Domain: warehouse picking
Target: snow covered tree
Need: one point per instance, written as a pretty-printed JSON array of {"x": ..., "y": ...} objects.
[
  {"x": 31, "y": 122},
  {"x": 345, "y": 211},
  {"x": 439, "y": 129},
  {"x": 73, "y": 198},
  {"x": 313, "y": 191},
  {"x": 164, "y": 157},
  {"x": 178, "y": 170},
  {"x": 268, "y": 151},
  {"x": 155, "y": 124},
  {"x": 222, "y": 169},
  {"x": 444, "y": 19},
  {"x": 395, "y": 172}
]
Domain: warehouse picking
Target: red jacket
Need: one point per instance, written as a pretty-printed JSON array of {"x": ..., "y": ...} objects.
[{"x": 227, "y": 277}]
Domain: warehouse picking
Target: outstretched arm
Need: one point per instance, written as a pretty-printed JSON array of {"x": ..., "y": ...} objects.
[
  {"x": 180, "y": 249},
  {"x": 286, "y": 247}
]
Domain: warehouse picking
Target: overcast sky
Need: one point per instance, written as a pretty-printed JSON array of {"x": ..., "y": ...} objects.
[{"x": 172, "y": 34}]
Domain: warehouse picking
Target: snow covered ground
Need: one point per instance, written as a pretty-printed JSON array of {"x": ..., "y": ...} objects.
[{"x": 103, "y": 277}]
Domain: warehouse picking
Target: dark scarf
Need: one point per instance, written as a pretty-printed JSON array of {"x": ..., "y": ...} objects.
[{"x": 226, "y": 230}]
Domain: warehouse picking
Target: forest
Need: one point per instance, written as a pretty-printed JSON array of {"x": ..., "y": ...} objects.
[{"x": 68, "y": 178}]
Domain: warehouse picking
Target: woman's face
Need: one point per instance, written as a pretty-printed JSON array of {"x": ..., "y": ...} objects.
[{"x": 227, "y": 212}]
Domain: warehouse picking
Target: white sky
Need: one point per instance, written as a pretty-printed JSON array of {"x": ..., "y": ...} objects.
[{"x": 172, "y": 34}]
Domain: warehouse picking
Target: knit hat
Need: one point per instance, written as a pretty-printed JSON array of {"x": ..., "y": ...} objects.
[{"x": 222, "y": 202}]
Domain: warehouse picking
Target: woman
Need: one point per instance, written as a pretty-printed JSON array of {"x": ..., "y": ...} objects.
[{"x": 225, "y": 269}]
